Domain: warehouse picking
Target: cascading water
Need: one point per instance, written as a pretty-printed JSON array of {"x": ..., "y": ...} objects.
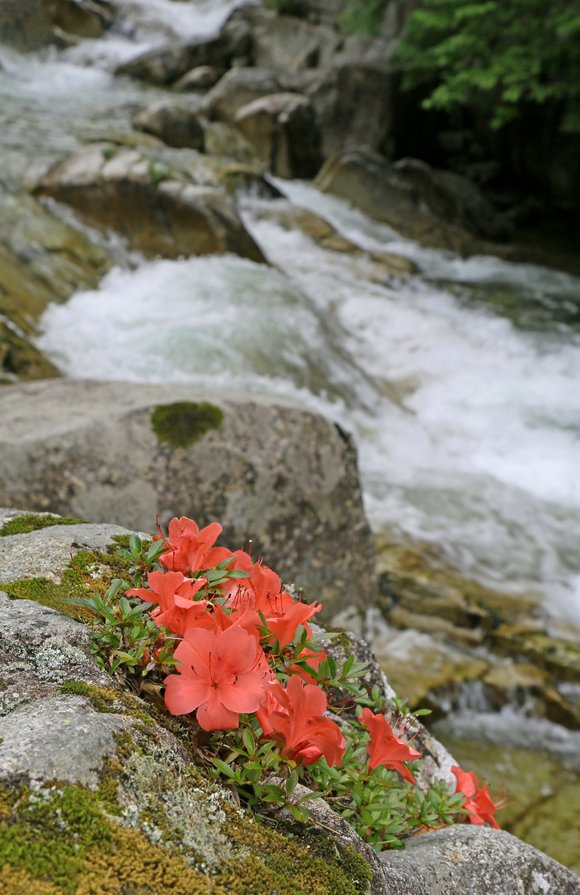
[{"x": 467, "y": 424}]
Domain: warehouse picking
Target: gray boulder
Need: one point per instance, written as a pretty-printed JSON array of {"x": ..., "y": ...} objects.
[
  {"x": 434, "y": 207},
  {"x": 176, "y": 124},
  {"x": 165, "y": 65},
  {"x": 283, "y": 477},
  {"x": 352, "y": 99},
  {"x": 237, "y": 88},
  {"x": 286, "y": 44},
  {"x": 30, "y": 24},
  {"x": 159, "y": 210},
  {"x": 199, "y": 79},
  {"x": 474, "y": 860},
  {"x": 282, "y": 128}
]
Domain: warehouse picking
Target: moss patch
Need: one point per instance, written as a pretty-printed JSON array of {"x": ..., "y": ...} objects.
[
  {"x": 33, "y": 522},
  {"x": 184, "y": 423},
  {"x": 87, "y": 572},
  {"x": 108, "y": 700},
  {"x": 305, "y": 864},
  {"x": 48, "y": 833}
]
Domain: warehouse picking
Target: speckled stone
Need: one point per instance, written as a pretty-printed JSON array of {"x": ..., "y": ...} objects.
[{"x": 473, "y": 860}]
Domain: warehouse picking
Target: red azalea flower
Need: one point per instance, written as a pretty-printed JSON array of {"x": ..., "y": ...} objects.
[
  {"x": 478, "y": 801},
  {"x": 177, "y": 608},
  {"x": 293, "y": 717},
  {"x": 217, "y": 676},
  {"x": 385, "y": 747},
  {"x": 191, "y": 548}
]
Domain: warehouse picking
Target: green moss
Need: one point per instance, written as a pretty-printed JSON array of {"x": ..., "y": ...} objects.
[
  {"x": 33, "y": 522},
  {"x": 48, "y": 832},
  {"x": 305, "y": 864},
  {"x": 108, "y": 700},
  {"x": 87, "y": 572},
  {"x": 184, "y": 423},
  {"x": 59, "y": 840}
]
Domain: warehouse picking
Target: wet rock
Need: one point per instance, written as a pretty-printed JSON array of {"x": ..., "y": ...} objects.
[
  {"x": 42, "y": 259},
  {"x": 284, "y": 477},
  {"x": 287, "y": 44},
  {"x": 426, "y": 209},
  {"x": 157, "y": 209},
  {"x": 30, "y": 24},
  {"x": 164, "y": 66},
  {"x": 418, "y": 665},
  {"x": 199, "y": 79},
  {"x": 85, "y": 18},
  {"x": 20, "y": 360},
  {"x": 353, "y": 104},
  {"x": 559, "y": 656},
  {"x": 454, "y": 197},
  {"x": 475, "y": 861},
  {"x": 282, "y": 128},
  {"x": 418, "y": 586},
  {"x": 237, "y": 88},
  {"x": 176, "y": 124},
  {"x": 291, "y": 217}
]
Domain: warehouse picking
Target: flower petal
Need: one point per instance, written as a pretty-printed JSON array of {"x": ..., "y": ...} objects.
[
  {"x": 183, "y": 695},
  {"x": 245, "y": 695},
  {"x": 213, "y": 715}
]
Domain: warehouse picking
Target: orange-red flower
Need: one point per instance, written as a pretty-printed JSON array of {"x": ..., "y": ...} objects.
[
  {"x": 191, "y": 548},
  {"x": 217, "y": 676},
  {"x": 293, "y": 717},
  {"x": 177, "y": 608},
  {"x": 385, "y": 747},
  {"x": 478, "y": 801}
]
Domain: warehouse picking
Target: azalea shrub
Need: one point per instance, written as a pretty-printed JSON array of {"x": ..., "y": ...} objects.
[{"x": 238, "y": 657}]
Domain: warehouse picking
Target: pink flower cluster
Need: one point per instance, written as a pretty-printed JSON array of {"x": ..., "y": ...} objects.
[{"x": 237, "y": 627}]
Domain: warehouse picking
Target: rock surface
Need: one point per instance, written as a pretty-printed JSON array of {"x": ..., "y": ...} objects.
[
  {"x": 282, "y": 128},
  {"x": 29, "y": 24},
  {"x": 474, "y": 861},
  {"x": 177, "y": 124},
  {"x": 158, "y": 210},
  {"x": 282, "y": 476},
  {"x": 42, "y": 259},
  {"x": 444, "y": 211}
]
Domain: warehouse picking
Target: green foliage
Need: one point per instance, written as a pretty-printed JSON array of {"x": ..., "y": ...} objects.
[
  {"x": 185, "y": 422},
  {"x": 157, "y": 173},
  {"x": 377, "y": 803},
  {"x": 362, "y": 16},
  {"x": 496, "y": 55},
  {"x": 33, "y": 522}
]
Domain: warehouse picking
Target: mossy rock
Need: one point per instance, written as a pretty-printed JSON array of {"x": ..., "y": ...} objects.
[
  {"x": 33, "y": 522},
  {"x": 87, "y": 572},
  {"x": 20, "y": 360},
  {"x": 185, "y": 422}
]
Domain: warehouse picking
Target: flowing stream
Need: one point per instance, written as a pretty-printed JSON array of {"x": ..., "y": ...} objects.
[{"x": 459, "y": 383}]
